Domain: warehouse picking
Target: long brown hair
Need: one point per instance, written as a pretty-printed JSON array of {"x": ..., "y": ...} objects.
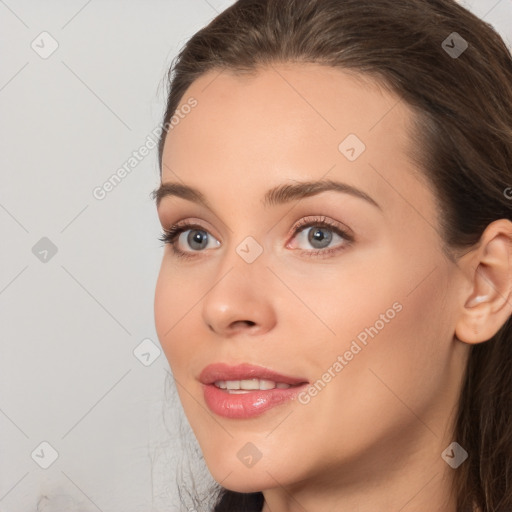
[{"x": 463, "y": 145}]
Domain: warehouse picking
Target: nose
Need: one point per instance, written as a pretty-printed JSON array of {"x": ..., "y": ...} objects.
[{"x": 240, "y": 302}]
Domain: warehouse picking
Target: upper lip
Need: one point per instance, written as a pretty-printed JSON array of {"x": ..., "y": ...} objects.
[{"x": 222, "y": 371}]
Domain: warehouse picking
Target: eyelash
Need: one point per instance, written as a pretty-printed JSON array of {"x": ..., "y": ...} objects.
[{"x": 169, "y": 236}]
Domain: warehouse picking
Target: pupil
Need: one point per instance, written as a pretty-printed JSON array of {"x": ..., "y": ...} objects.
[
  {"x": 196, "y": 236},
  {"x": 317, "y": 235}
]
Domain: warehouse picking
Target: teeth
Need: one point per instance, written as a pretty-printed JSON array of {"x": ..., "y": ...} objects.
[{"x": 250, "y": 384}]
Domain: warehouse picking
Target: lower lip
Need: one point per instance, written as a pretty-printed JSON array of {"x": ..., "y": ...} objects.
[{"x": 247, "y": 405}]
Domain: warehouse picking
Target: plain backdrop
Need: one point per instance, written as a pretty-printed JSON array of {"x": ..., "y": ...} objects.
[{"x": 83, "y": 405}]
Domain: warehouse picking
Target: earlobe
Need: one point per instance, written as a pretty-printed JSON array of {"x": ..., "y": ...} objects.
[{"x": 489, "y": 303}]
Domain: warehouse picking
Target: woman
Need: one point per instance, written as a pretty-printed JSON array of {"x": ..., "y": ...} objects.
[{"x": 334, "y": 296}]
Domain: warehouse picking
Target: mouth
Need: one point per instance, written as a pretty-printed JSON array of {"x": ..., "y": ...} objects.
[{"x": 245, "y": 391}]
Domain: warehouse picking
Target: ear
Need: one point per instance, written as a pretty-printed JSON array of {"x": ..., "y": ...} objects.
[{"x": 488, "y": 303}]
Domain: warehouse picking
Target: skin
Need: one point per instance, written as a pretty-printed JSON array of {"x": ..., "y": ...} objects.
[{"x": 371, "y": 439}]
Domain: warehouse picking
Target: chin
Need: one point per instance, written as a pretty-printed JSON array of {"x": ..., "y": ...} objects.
[{"x": 246, "y": 484}]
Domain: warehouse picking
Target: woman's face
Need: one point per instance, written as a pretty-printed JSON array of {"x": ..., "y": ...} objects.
[{"x": 367, "y": 317}]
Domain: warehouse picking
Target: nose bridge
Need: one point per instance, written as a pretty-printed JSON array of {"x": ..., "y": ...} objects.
[
  {"x": 243, "y": 270},
  {"x": 245, "y": 245}
]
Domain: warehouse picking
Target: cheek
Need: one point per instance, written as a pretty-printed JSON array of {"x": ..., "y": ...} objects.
[
  {"x": 397, "y": 360},
  {"x": 163, "y": 305},
  {"x": 391, "y": 330},
  {"x": 173, "y": 302}
]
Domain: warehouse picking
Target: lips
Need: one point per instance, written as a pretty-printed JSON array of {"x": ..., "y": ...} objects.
[
  {"x": 246, "y": 404},
  {"x": 222, "y": 372}
]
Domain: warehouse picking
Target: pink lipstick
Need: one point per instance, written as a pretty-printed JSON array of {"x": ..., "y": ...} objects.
[{"x": 245, "y": 390}]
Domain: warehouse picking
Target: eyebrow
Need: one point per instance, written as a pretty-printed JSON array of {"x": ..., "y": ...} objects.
[{"x": 281, "y": 194}]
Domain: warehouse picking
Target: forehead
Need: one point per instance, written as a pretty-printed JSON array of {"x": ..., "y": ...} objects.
[
  {"x": 293, "y": 101},
  {"x": 293, "y": 122}
]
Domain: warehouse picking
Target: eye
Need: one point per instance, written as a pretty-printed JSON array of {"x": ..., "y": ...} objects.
[
  {"x": 319, "y": 238},
  {"x": 319, "y": 233},
  {"x": 197, "y": 238}
]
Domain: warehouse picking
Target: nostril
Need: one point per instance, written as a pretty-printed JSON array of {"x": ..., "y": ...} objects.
[{"x": 239, "y": 323}]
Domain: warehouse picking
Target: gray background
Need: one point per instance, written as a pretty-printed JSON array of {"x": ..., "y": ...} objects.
[{"x": 73, "y": 372}]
